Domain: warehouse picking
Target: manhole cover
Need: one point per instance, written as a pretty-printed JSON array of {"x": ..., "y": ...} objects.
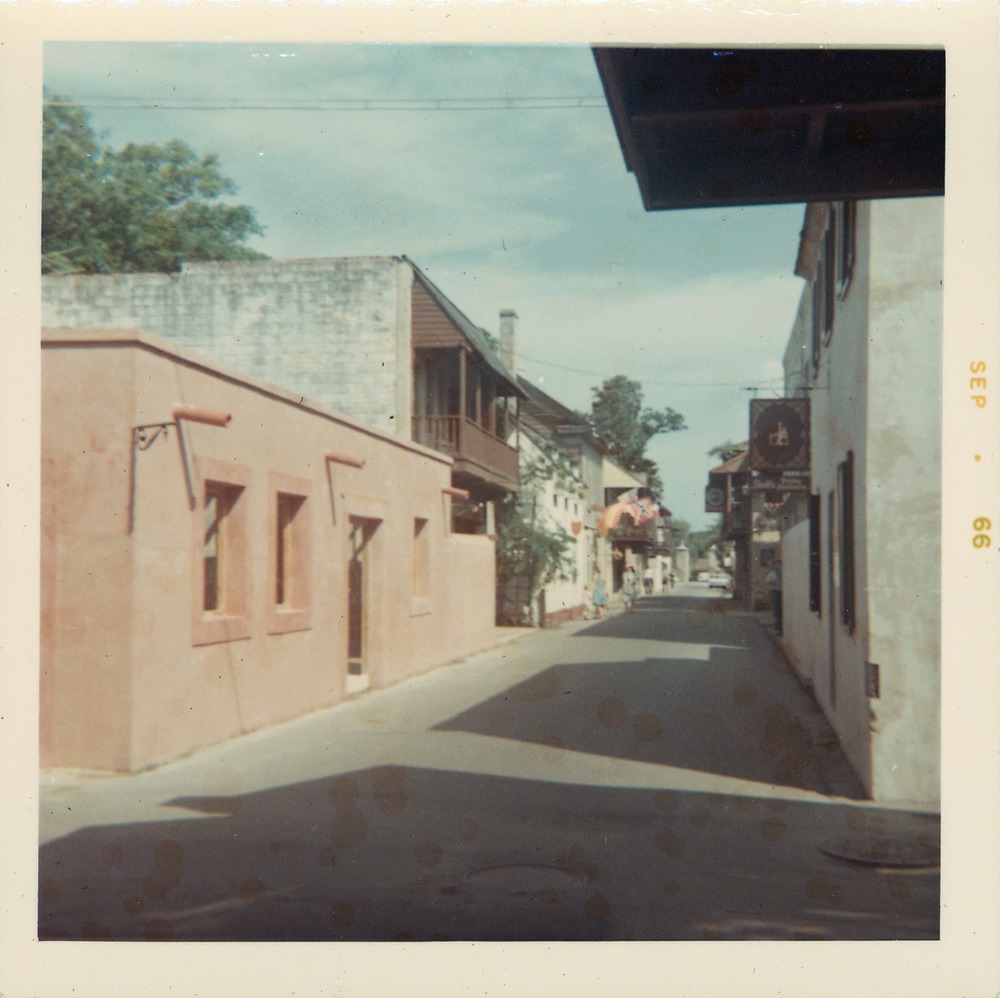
[
  {"x": 526, "y": 877},
  {"x": 878, "y": 851}
]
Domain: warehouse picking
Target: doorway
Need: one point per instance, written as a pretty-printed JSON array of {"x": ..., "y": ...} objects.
[{"x": 359, "y": 598}]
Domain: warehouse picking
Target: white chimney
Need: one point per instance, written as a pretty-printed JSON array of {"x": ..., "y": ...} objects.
[{"x": 508, "y": 354}]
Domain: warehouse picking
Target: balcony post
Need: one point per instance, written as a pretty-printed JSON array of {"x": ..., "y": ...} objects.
[{"x": 461, "y": 382}]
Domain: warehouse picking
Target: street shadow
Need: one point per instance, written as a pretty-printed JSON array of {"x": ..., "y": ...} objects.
[
  {"x": 728, "y": 715},
  {"x": 668, "y": 618},
  {"x": 405, "y": 853}
]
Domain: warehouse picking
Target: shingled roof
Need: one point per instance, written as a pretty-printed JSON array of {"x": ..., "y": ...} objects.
[{"x": 468, "y": 329}]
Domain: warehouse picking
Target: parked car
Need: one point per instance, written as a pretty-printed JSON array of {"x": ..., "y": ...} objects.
[
  {"x": 702, "y": 577},
  {"x": 719, "y": 580}
]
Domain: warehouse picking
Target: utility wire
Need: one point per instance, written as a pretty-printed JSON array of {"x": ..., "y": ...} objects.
[
  {"x": 337, "y": 104},
  {"x": 661, "y": 384}
]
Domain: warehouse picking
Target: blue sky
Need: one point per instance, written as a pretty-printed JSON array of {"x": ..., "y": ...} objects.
[{"x": 511, "y": 207}]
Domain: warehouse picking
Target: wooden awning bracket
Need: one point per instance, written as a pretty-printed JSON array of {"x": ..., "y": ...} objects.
[
  {"x": 199, "y": 414},
  {"x": 337, "y": 458},
  {"x": 143, "y": 437}
]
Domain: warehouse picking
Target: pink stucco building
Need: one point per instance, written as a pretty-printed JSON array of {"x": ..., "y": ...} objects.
[{"x": 219, "y": 555}]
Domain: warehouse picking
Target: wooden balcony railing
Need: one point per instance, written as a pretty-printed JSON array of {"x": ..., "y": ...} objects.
[
  {"x": 440, "y": 433},
  {"x": 476, "y": 450}
]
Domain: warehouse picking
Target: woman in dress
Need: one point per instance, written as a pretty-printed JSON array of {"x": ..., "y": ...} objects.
[{"x": 600, "y": 594}]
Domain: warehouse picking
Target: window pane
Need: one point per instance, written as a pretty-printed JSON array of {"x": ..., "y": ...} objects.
[
  {"x": 815, "y": 555},
  {"x": 213, "y": 551},
  {"x": 848, "y": 242},
  {"x": 421, "y": 558},
  {"x": 281, "y": 566},
  {"x": 286, "y": 551},
  {"x": 817, "y": 319},
  {"x": 829, "y": 280}
]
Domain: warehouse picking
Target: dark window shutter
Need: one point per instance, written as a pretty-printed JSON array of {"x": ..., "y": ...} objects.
[
  {"x": 847, "y": 581},
  {"x": 815, "y": 558}
]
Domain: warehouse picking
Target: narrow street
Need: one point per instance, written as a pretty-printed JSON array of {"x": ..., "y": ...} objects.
[{"x": 654, "y": 776}]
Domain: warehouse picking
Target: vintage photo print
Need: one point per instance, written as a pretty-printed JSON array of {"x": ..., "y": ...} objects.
[{"x": 498, "y": 478}]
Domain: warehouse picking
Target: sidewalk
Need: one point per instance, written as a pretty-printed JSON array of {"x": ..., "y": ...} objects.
[{"x": 73, "y": 798}]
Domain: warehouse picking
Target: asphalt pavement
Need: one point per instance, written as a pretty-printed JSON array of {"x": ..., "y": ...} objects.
[{"x": 659, "y": 775}]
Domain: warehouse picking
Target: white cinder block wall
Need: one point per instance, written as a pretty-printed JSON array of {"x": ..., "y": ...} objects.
[{"x": 336, "y": 330}]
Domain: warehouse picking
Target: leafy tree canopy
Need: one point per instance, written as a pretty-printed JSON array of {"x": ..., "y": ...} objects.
[
  {"x": 529, "y": 547},
  {"x": 143, "y": 208},
  {"x": 618, "y": 417},
  {"x": 727, "y": 450},
  {"x": 681, "y": 529},
  {"x": 699, "y": 541}
]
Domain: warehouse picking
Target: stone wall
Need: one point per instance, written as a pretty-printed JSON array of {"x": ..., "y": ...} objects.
[{"x": 336, "y": 331}]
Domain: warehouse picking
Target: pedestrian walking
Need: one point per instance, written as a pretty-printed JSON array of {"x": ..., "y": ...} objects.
[
  {"x": 630, "y": 589},
  {"x": 647, "y": 580},
  {"x": 772, "y": 583},
  {"x": 600, "y": 595}
]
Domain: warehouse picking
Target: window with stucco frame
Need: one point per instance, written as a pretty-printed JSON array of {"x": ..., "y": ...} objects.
[
  {"x": 421, "y": 566},
  {"x": 289, "y": 554},
  {"x": 221, "y": 579}
]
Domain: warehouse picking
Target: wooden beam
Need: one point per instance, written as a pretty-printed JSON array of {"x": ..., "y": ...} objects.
[{"x": 337, "y": 458}]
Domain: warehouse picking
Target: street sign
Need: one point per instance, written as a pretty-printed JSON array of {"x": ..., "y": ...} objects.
[
  {"x": 779, "y": 435},
  {"x": 715, "y": 494}
]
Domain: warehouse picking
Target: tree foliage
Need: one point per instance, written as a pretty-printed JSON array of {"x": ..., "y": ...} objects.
[
  {"x": 142, "y": 208},
  {"x": 619, "y": 418},
  {"x": 699, "y": 541},
  {"x": 681, "y": 529},
  {"x": 726, "y": 451},
  {"x": 529, "y": 547}
]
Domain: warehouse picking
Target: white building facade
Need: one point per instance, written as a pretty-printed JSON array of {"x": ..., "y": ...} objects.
[{"x": 862, "y": 556}]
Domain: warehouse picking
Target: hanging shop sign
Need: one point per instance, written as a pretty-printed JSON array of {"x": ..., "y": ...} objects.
[
  {"x": 779, "y": 436},
  {"x": 715, "y": 494}
]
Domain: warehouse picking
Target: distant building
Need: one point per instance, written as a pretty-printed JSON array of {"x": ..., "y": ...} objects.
[
  {"x": 571, "y": 498},
  {"x": 220, "y": 555},
  {"x": 751, "y": 521},
  {"x": 643, "y": 545}
]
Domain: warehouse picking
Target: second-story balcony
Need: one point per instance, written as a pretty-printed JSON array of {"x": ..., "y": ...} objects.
[
  {"x": 656, "y": 536},
  {"x": 466, "y": 402},
  {"x": 478, "y": 454}
]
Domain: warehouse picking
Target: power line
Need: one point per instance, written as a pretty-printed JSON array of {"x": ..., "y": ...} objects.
[
  {"x": 661, "y": 384},
  {"x": 337, "y": 104}
]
